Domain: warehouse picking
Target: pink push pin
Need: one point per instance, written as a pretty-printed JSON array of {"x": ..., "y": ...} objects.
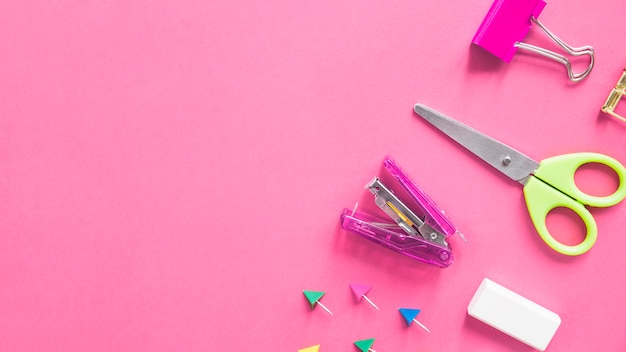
[
  {"x": 508, "y": 22},
  {"x": 359, "y": 292}
]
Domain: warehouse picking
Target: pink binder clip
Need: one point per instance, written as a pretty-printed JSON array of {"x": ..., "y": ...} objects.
[{"x": 508, "y": 22}]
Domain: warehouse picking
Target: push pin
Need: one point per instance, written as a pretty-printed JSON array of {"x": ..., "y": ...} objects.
[
  {"x": 508, "y": 22},
  {"x": 409, "y": 316},
  {"x": 614, "y": 98},
  {"x": 359, "y": 292},
  {"x": 365, "y": 345},
  {"x": 315, "y": 348},
  {"x": 314, "y": 299}
]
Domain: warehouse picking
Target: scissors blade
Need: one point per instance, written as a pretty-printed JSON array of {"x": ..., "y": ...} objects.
[{"x": 507, "y": 160}]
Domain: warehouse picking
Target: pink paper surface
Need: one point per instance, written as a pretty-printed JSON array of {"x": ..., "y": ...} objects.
[{"x": 172, "y": 173}]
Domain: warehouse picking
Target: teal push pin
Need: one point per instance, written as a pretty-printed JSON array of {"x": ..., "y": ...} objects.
[
  {"x": 314, "y": 299},
  {"x": 365, "y": 345}
]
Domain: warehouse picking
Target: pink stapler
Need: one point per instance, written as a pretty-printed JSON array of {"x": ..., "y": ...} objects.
[
  {"x": 508, "y": 22},
  {"x": 420, "y": 228}
]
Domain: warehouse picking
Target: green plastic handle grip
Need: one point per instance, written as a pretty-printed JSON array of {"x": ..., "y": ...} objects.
[
  {"x": 559, "y": 172},
  {"x": 541, "y": 199}
]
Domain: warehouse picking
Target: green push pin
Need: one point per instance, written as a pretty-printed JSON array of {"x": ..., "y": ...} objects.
[
  {"x": 365, "y": 345},
  {"x": 314, "y": 299}
]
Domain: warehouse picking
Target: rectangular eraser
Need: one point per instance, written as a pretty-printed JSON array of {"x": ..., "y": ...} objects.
[{"x": 514, "y": 315}]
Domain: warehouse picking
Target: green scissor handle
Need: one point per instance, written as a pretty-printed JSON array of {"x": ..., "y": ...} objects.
[{"x": 554, "y": 181}]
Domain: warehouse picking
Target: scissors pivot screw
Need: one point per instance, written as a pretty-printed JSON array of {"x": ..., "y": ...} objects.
[{"x": 506, "y": 161}]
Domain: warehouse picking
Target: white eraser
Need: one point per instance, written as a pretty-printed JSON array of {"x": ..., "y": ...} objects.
[{"x": 514, "y": 315}]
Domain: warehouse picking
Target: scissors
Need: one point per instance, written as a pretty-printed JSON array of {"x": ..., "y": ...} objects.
[{"x": 548, "y": 184}]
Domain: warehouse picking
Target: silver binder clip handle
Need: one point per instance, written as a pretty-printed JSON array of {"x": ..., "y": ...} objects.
[{"x": 583, "y": 50}]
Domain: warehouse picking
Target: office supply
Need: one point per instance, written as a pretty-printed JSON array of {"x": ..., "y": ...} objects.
[
  {"x": 616, "y": 95},
  {"x": 420, "y": 229},
  {"x": 513, "y": 314},
  {"x": 365, "y": 345},
  {"x": 359, "y": 292},
  {"x": 508, "y": 22},
  {"x": 547, "y": 185},
  {"x": 410, "y": 316},
  {"x": 315, "y": 348},
  {"x": 314, "y": 299}
]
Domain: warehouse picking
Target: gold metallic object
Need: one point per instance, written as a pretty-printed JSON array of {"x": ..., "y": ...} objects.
[{"x": 614, "y": 98}]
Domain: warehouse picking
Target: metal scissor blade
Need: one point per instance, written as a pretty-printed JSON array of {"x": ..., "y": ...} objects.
[{"x": 507, "y": 160}]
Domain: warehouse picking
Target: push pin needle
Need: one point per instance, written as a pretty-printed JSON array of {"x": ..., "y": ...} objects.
[
  {"x": 365, "y": 345},
  {"x": 409, "y": 316},
  {"x": 359, "y": 292},
  {"x": 314, "y": 299}
]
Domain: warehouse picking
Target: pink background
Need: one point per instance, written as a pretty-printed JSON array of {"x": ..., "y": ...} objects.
[{"x": 172, "y": 173}]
